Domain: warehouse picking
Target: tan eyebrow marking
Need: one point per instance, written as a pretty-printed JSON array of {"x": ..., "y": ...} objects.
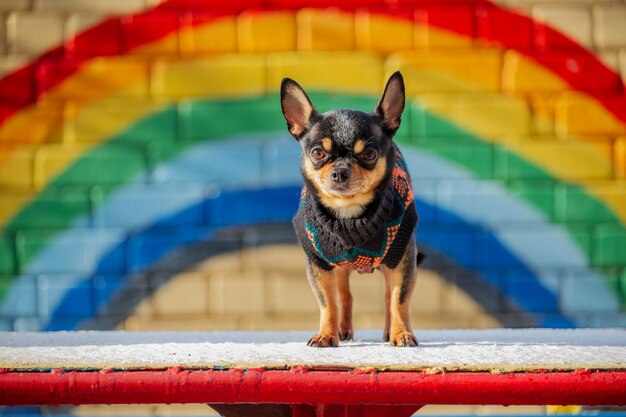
[
  {"x": 359, "y": 146},
  {"x": 327, "y": 144}
]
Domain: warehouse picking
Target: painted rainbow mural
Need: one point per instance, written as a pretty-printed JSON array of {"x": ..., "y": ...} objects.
[{"x": 141, "y": 146}]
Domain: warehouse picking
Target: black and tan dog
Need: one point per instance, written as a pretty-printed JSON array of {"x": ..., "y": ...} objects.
[{"x": 357, "y": 210}]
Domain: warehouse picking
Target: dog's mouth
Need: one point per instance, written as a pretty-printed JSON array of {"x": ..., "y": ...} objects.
[{"x": 343, "y": 190}]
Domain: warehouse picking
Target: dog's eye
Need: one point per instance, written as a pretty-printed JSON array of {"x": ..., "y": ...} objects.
[
  {"x": 318, "y": 153},
  {"x": 369, "y": 154}
]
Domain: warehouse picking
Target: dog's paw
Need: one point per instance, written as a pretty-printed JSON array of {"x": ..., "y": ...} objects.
[
  {"x": 324, "y": 340},
  {"x": 346, "y": 334},
  {"x": 386, "y": 335},
  {"x": 405, "y": 339}
]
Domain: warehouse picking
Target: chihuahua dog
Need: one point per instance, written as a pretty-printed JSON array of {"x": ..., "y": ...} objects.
[{"x": 356, "y": 210}]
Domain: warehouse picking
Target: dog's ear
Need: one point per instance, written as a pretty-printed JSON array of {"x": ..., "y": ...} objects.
[
  {"x": 297, "y": 107},
  {"x": 391, "y": 104}
]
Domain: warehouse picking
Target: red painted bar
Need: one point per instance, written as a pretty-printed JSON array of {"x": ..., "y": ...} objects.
[{"x": 303, "y": 386}]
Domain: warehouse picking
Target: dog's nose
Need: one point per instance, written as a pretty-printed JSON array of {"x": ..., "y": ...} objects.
[{"x": 340, "y": 175}]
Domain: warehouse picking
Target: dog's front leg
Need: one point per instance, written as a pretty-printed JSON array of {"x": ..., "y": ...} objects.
[
  {"x": 324, "y": 285},
  {"x": 346, "y": 331},
  {"x": 399, "y": 286}
]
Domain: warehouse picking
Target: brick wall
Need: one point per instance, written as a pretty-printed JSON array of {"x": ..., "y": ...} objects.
[{"x": 132, "y": 136}]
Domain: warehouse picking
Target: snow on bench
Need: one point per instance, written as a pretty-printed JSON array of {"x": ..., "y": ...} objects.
[
  {"x": 502, "y": 350},
  {"x": 502, "y": 366}
]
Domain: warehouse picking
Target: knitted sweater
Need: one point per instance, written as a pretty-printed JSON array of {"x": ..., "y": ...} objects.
[{"x": 378, "y": 236}]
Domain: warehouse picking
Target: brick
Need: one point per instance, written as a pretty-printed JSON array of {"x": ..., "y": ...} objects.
[
  {"x": 572, "y": 20},
  {"x": 23, "y": 296},
  {"x": 206, "y": 32},
  {"x": 368, "y": 293},
  {"x": 545, "y": 247},
  {"x": 126, "y": 76},
  {"x": 156, "y": 245},
  {"x": 346, "y": 72},
  {"x": 588, "y": 293},
  {"x": 609, "y": 246},
  {"x": 522, "y": 75},
  {"x": 11, "y": 202},
  {"x": 28, "y": 324},
  {"x": 86, "y": 246},
  {"x": 431, "y": 18},
  {"x": 278, "y": 257},
  {"x": 231, "y": 262},
  {"x": 16, "y": 172},
  {"x": 485, "y": 115},
  {"x": 429, "y": 292},
  {"x": 458, "y": 244},
  {"x": 24, "y": 32},
  {"x": 106, "y": 286},
  {"x": 99, "y": 33},
  {"x": 483, "y": 202},
  {"x": 266, "y": 31},
  {"x": 112, "y": 6},
  {"x": 19, "y": 85},
  {"x": 384, "y": 32},
  {"x": 281, "y": 162},
  {"x": 325, "y": 30},
  {"x": 290, "y": 294},
  {"x": 141, "y": 33},
  {"x": 457, "y": 296},
  {"x": 126, "y": 120},
  {"x": 50, "y": 286},
  {"x": 577, "y": 160},
  {"x": 540, "y": 194},
  {"x": 219, "y": 171},
  {"x": 608, "y": 22},
  {"x": 185, "y": 293},
  {"x": 221, "y": 76},
  {"x": 14, "y": 5},
  {"x": 532, "y": 295},
  {"x": 448, "y": 71},
  {"x": 236, "y": 294},
  {"x": 610, "y": 58},
  {"x": 233, "y": 208},
  {"x": 93, "y": 168},
  {"x": 575, "y": 204},
  {"x": 577, "y": 114},
  {"x": 200, "y": 120},
  {"x": 11, "y": 63},
  {"x": 494, "y": 23},
  {"x": 172, "y": 206},
  {"x": 61, "y": 207},
  {"x": 34, "y": 125}
]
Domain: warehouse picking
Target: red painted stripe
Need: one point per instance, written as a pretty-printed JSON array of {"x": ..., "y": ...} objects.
[
  {"x": 301, "y": 386},
  {"x": 478, "y": 19}
]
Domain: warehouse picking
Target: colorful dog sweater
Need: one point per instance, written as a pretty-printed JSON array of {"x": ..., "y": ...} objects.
[{"x": 380, "y": 235}]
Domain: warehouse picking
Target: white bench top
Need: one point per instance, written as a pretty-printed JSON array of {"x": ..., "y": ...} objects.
[{"x": 499, "y": 350}]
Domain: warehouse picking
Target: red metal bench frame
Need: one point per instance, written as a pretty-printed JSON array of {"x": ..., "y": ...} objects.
[{"x": 313, "y": 392}]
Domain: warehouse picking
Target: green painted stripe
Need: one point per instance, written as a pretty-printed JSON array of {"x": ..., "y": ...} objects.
[{"x": 173, "y": 130}]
